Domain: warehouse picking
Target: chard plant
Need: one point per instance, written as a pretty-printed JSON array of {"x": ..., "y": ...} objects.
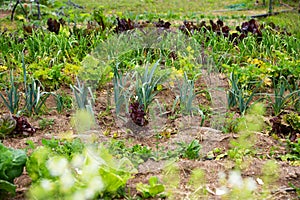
[
  {"x": 191, "y": 151},
  {"x": 153, "y": 189}
]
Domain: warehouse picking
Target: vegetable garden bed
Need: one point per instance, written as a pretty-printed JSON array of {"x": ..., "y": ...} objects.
[{"x": 96, "y": 105}]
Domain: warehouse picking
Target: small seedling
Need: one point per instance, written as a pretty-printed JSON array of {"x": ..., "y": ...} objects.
[
  {"x": 152, "y": 189},
  {"x": 46, "y": 123}
]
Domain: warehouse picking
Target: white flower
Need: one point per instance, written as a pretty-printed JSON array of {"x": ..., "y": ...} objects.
[
  {"x": 46, "y": 185},
  {"x": 78, "y": 161},
  {"x": 67, "y": 180},
  {"x": 79, "y": 195},
  {"x": 89, "y": 193},
  {"x": 250, "y": 184},
  {"x": 221, "y": 191},
  {"x": 221, "y": 175},
  {"x": 235, "y": 179},
  {"x": 57, "y": 166},
  {"x": 95, "y": 186}
]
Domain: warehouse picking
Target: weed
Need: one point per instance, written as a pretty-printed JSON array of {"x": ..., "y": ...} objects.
[
  {"x": 45, "y": 123},
  {"x": 243, "y": 146},
  {"x": 63, "y": 101},
  {"x": 297, "y": 189},
  {"x": 231, "y": 123},
  {"x": 293, "y": 151}
]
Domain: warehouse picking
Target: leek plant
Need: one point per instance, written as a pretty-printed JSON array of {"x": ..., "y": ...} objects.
[
  {"x": 237, "y": 95},
  {"x": 186, "y": 97},
  {"x": 83, "y": 97},
  {"x": 122, "y": 94},
  {"x": 34, "y": 98},
  {"x": 280, "y": 99},
  {"x": 13, "y": 95},
  {"x": 146, "y": 83}
]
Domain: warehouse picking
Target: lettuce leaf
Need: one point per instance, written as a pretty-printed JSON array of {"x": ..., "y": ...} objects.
[{"x": 12, "y": 162}]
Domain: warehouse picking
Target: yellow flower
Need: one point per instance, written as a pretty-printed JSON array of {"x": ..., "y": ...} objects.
[
  {"x": 188, "y": 48},
  {"x": 267, "y": 81},
  {"x": 159, "y": 87},
  {"x": 255, "y": 61},
  {"x": 3, "y": 68},
  {"x": 71, "y": 69},
  {"x": 180, "y": 72},
  {"x": 110, "y": 75}
]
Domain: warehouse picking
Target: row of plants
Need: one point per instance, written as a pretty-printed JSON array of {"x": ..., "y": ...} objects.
[
  {"x": 146, "y": 90},
  {"x": 45, "y": 52},
  {"x": 76, "y": 169}
]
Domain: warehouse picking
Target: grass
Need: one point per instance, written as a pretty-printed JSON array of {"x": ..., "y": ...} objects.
[
  {"x": 291, "y": 21},
  {"x": 179, "y": 8}
]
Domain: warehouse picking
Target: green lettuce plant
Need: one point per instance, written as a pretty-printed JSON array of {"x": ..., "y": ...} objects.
[
  {"x": 12, "y": 162},
  {"x": 7, "y": 125},
  {"x": 76, "y": 172}
]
